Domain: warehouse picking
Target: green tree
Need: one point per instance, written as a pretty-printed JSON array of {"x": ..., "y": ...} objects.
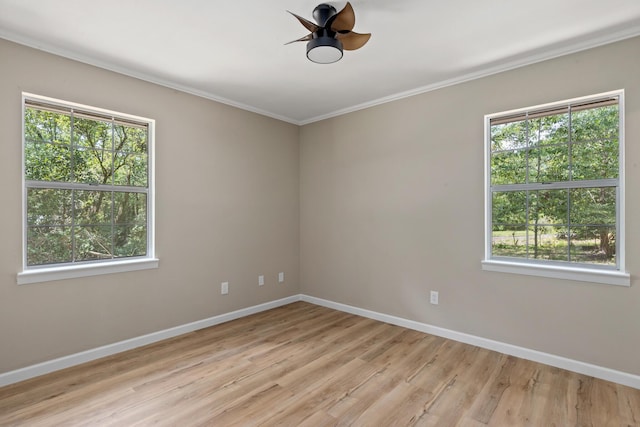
[
  {"x": 557, "y": 147},
  {"x": 82, "y": 174}
]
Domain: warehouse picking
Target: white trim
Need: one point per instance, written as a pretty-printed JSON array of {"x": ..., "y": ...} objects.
[
  {"x": 621, "y": 219},
  {"x": 86, "y": 59},
  {"x": 487, "y": 188},
  {"x": 623, "y": 34},
  {"x": 47, "y": 274},
  {"x": 601, "y": 39},
  {"x": 607, "y": 277},
  {"x": 601, "y": 372},
  {"x": 151, "y": 188},
  {"x": 108, "y": 350},
  {"x": 38, "y": 274},
  {"x": 91, "y": 108},
  {"x": 618, "y": 93},
  {"x": 544, "y": 269}
]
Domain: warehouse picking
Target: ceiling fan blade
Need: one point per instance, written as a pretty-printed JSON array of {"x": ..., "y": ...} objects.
[
  {"x": 353, "y": 41},
  {"x": 307, "y": 24},
  {"x": 302, "y": 39},
  {"x": 343, "y": 20}
]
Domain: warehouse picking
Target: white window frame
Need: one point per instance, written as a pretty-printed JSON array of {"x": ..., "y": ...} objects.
[
  {"x": 35, "y": 274},
  {"x": 596, "y": 274}
]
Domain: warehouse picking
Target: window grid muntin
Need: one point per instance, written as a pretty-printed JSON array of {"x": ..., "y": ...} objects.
[
  {"x": 61, "y": 107},
  {"x": 596, "y": 101}
]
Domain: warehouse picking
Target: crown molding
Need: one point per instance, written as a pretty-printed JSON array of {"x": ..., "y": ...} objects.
[{"x": 561, "y": 49}]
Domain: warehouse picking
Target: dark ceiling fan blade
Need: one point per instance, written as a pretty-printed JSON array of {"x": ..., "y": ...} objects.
[
  {"x": 344, "y": 20},
  {"x": 302, "y": 39},
  {"x": 307, "y": 24},
  {"x": 353, "y": 41}
]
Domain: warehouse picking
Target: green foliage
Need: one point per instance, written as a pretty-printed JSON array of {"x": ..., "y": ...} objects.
[
  {"x": 68, "y": 220},
  {"x": 576, "y": 146}
]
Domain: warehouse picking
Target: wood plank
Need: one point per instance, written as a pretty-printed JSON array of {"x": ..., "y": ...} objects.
[
  {"x": 307, "y": 365},
  {"x": 628, "y": 405}
]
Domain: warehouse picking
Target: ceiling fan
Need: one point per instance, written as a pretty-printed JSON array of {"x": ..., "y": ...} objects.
[{"x": 331, "y": 34}]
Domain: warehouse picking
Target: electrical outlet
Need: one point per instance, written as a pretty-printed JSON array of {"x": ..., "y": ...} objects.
[
  {"x": 224, "y": 288},
  {"x": 281, "y": 277},
  {"x": 434, "y": 297},
  {"x": 260, "y": 280}
]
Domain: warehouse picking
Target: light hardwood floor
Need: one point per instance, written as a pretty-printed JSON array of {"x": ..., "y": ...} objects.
[{"x": 305, "y": 365}]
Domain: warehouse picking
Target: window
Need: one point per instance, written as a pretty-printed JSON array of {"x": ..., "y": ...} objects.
[
  {"x": 88, "y": 200},
  {"x": 554, "y": 190}
]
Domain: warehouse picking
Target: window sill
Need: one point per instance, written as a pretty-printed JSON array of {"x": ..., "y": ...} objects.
[
  {"x": 609, "y": 277},
  {"x": 46, "y": 274}
]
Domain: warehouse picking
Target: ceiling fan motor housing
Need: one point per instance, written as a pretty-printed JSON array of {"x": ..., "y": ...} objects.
[{"x": 323, "y": 12}]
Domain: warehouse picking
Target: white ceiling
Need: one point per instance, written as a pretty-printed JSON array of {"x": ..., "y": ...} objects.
[{"x": 234, "y": 52}]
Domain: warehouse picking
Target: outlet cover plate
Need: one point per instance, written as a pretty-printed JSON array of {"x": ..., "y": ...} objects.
[{"x": 433, "y": 297}]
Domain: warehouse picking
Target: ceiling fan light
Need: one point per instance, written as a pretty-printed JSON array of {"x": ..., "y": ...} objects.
[{"x": 324, "y": 50}]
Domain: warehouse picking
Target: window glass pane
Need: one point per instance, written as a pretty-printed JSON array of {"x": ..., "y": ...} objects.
[
  {"x": 548, "y": 206},
  {"x": 130, "y": 240},
  {"x": 91, "y": 133},
  {"x": 92, "y": 207},
  {"x": 509, "y": 224},
  {"x": 92, "y": 242},
  {"x": 130, "y": 170},
  {"x": 130, "y": 218},
  {"x": 509, "y": 136},
  {"x": 547, "y": 130},
  {"x": 509, "y": 167},
  {"x": 561, "y": 144},
  {"x": 47, "y": 206},
  {"x": 45, "y": 126},
  {"x": 92, "y": 166},
  {"x": 595, "y": 124},
  {"x": 509, "y": 241},
  {"x": 592, "y": 223},
  {"x": 71, "y": 147},
  {"x": 593, "y": 206},
  {"x": 48, "y": 245},
  {"x": 130, "y": 208},
  {"x": 544, "y": 244},
  {"x": 130, "y": 139},
  {"x": 549, "y": 164},
  {"x": 509, "y": 209},
  {"x": 597, "y": 159},
  {"x": 46, "y": 162},
  {"x": 593, "y": 244}
]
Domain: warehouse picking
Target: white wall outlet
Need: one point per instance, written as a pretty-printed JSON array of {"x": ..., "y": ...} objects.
[
  {"x": 281, "y": 277},
  {"x": 224, "y": 288},
  {"x": 433, "y": 298},
  {"x": 260, "y": 280}
]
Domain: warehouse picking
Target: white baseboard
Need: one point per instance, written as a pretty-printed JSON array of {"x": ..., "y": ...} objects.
[
  {"x": 612, "y": 375},
  {"x": 107, "y": 350},
  {"x": 619, "y": 377}
]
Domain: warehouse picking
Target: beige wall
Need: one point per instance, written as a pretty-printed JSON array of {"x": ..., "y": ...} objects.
[
  {"x": 388, "y": 201},
  {"x": 392, "y": 207},
  {"x": 227, "y": 210}
]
